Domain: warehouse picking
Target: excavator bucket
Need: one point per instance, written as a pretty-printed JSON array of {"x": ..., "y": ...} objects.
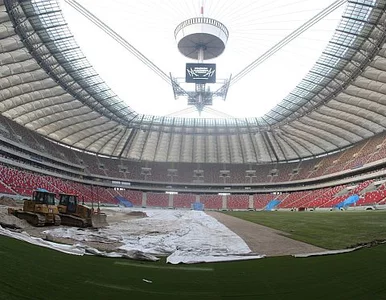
[{"x": 98, "y": 220}]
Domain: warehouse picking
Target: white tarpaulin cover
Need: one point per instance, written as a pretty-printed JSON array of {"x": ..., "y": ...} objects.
[
  {"x": 185, "y": 236},
  {"x": 69, "y": 249},
  {"x": 328, "y": 252},
  {"x": 77, "y": 249}
]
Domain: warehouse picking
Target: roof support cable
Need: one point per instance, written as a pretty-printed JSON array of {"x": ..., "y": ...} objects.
[
  {"x": 335, "y": 5},
  {"x": 91, "y": 17}
]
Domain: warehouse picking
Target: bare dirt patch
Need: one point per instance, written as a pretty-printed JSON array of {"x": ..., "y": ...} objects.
[{"x": 262, "y": 239}]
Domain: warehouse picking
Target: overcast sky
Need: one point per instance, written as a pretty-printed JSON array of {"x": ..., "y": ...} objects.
[{"x": 254, "y": 26}]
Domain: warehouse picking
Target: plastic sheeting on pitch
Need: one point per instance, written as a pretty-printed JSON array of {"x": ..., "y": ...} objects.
[
  {"x": 185, "y": 236},
  {"x": 77, "y": 249}
]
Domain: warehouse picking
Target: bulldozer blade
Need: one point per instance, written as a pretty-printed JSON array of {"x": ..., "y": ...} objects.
[{"x": 99, "y": 220}]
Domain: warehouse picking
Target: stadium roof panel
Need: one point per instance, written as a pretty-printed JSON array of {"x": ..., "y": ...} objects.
[{"x": 338, "y": 103}]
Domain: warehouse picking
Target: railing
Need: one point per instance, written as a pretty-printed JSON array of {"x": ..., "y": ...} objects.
[{"x": 201, "y": 20}]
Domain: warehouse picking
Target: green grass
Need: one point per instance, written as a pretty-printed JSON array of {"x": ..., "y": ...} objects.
[
  {"x": 31, "y": 272},
  {"x": 330, "y": 230}
]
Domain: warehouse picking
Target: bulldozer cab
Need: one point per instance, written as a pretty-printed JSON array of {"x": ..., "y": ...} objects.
[
  {"x": 43, "y": 197},
  {"x": 69, "y": 201},
  {"x": 40, "y": 210},
  {"x": 74, "y": 214}
]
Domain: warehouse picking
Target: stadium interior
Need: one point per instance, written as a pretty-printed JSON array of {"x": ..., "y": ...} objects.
[
  {"x": 63, "y": 129},
  {"x": 317, "y": 156}
]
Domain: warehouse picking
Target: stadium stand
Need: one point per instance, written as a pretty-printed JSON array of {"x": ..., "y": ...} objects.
[
  {"x": 211, "y": 201},
  {"x": 133, "y": 196},
  {"x": 300, "y": 156},
  {"x": 349, "y": 159},
  {"x": 295, "y": 199},
  {"x": 17, "y": 181},
  {"x": 371, "y": 198},
  {"x": 261, "y": 200},
  {"x": 157, "y": 200},
  {"x": 184, "y": 200},
  {"x": 325, "y": 197},
  {"x": 238, "y": 202}
]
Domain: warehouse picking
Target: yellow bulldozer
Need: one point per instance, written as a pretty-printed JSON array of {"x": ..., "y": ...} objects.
[
  {"x": 74, "y": 214},
  {"x": 40, "y": 210}
]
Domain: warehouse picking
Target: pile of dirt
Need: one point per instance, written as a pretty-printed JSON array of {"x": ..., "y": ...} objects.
[
  {"x": 4, "y": 200},
  {"x": 10, "y": 221},
  {"x": 135, "y": 213},
  {"x": 114, "y": 216}
]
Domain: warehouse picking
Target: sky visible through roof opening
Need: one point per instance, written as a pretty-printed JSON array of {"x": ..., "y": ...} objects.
[{"x": 254, "y": 27}]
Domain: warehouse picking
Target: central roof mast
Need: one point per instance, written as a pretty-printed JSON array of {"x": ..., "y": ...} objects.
[{"x": 200, "y": 39}]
